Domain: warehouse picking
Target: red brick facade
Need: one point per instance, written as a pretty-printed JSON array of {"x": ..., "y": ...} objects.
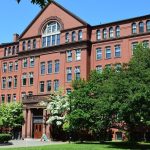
[{"x": 58, "y": 47}]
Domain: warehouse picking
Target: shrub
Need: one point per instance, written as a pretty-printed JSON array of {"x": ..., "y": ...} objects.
[{"x": 4, "y": 138}]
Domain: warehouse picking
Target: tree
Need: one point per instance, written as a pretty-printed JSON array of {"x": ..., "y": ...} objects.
[
  {"x": 115, "y": 98},
  {"x": 57, "y": 106},
  {"x": 42, "y": 3},
  {"x": 11, "y": 115}
]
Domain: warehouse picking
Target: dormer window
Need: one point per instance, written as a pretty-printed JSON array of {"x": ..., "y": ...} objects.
[{"x": 51, "y": 34}]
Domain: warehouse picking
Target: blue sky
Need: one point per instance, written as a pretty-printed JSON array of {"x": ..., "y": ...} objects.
[{"x": 15, "y": 18}]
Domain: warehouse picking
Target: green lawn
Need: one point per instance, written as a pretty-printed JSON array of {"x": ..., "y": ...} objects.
[{"x": 107, "y": 146}]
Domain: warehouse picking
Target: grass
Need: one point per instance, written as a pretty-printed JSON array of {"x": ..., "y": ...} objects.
[{"x": 89, "y": 146}]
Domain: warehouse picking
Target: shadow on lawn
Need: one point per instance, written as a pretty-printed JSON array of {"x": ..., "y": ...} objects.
[{"x": 123, "y": 145}]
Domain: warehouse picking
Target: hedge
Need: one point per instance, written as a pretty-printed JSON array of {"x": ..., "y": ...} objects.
[{"x": 4, "y": 138}]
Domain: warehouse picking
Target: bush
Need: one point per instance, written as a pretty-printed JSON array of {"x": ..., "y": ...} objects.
[{"x": 4, "y": 138}]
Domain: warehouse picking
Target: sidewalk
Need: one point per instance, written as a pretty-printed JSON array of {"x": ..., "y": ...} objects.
[{"x": 28, "y": 143}]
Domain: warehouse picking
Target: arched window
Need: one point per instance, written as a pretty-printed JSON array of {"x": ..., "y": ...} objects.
[
  {"x": 104, "y": 34},
  {"x": 51, "y": 34},
  {"x": 67, "y": 37},
  {"x": 141, "y": 27},
  {"x": 80, "y": 35},
  {"x": 117, "y": 31},
  {"x": 24, "y": 46},
  {"x": 148, "y": 26},
  {"x": 29, "y": 44},
  {"x": 13, "y": 50},
  {"x": 111, "y": 32},
  {"x": 34, "y": 43},
  {"x": 134, "y": 28},
  {"x": 98, "y": 35},
  {"x": 73, "y": 36}
]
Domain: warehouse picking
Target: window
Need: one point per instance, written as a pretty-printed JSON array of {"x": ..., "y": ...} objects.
[
  {"x": 3, "y": 82},
  {"x": 98, "y": 54},
  {"x": 69, "y": 74},
  {"x": 16, "y": 65},
  {"x": 15, "y": 81},
  {"x": 42, "y": 86},
  {"x": 67, "y": 37},
  {"x": 117, "y": 67},
  {"x": 8, "y": 98},
  {"x": 134, "y": 44},
  {"x": 24, "y": 46},
  {"x": 141, "y": 27},
  {"x": 134, "y": 28},
  {"x": 73, "y": 36},
  {"x": 13, "y": 50},
  {"x": 23, "y": 95},
  {"x": 51, "y": 34},
  {"x": 9, "y": 82},
  {"x": 9, "y": 51},
  {"x": 6, "y": 52},
  {"x": 80, "y": 35},
  {"x": 30, "y": 93},
  {"x": 104, "y": 34},
  {"x": 34, "y": 43},
  {"x": 49, "y": 67},
  {"x": 108, "y": 66},
  {"x": 42, "y": 68},
  {"x": 146, "y": 44},
  {"x": 10, "y": 67},
  {"x": 117, "y": 31},
  {"x": 148, "y": 26},
  {"x": 25, "y": 62},
  {"x": 49, "y": 85},
  {"x": 4, "y": 67},
  {"x": 3, "y": 98},
  {"x": 14, "y": 97},
  {"x": 98, "y": 35},
  {"x": 29, "y": 44},
  {"x": 24, "y": 79},
  {"x": 111, "y": 32},
  {"x": 56, "y": 85},
  {"x": 32, "y": 60},
  {"x": 77, "y": 73},
  {"x": 57, "y": 66},
  {"x": 69, "y": 56},
  {"x": 117, "y": 51},
  {"x": 99, "y": 68},
  {"x": 78, "y": 55},
  {"x": 17, "y": 50},
  {"x": 31, "y": 78},
  {"x": 68, "y": 91},
  {"x": 108, "y": 53}
]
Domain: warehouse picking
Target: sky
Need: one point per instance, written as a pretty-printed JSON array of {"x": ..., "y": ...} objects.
[{"x": 14, "y": 18}]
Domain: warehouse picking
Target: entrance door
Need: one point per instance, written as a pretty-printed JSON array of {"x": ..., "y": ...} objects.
[{"x": 38, "y": 130}]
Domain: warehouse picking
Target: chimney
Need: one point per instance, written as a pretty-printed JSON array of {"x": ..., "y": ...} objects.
[{"x": 15, "y": 37}]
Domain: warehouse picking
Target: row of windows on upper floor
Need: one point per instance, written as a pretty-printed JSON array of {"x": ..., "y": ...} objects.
[
  {"x": 117, "y": 30},
  {"x": 51, "y": 40},
  {"x": 13, "y": 97},
  {"x": 117, "y": 50},
  {"x": 14, "y": 66},
  {"x": 99, "y": 68},
  {"x": 8, "y": 98},
  {"x": 69, "y": 54},
  {"x": 12, "y": 82},
  {"x": 12, "y": 50}
]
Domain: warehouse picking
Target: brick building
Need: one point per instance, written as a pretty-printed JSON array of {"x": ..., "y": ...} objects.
[{"x": 56, "y": 48}]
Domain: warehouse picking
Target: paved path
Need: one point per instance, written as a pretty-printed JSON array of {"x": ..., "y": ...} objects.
[{"x": 28, "y": 143}]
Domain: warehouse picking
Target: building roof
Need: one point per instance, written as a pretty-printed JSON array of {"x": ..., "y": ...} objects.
[
  {"x": 61, "y": 7},
  {"x": 122, "y": 21}
]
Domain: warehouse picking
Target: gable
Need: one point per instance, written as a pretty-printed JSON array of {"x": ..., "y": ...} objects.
[{"x": 52, "y": 11}]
